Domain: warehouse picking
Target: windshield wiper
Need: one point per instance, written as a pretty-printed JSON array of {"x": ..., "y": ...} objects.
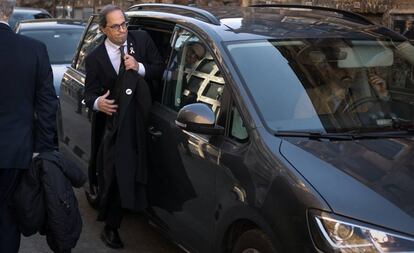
[
  {"x": 314, "y": 135},
  {"x": 351, "y": 135}
]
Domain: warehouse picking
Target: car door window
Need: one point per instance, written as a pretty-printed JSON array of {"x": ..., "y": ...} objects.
[
  {"x": 92, "y": 39},
  {"x": 192, "y": 76},
  {"x": 238, "y": 131}
]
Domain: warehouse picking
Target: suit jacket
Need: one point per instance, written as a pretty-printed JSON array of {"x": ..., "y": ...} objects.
[
  {"x": 100, "y": 74},
  {"x": 28, "y": 101}
]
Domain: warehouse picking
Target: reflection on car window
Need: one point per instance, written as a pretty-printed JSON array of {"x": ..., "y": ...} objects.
[
  {"x": 238, "y": 130},
  {"x": 192, "y": 76},
  {"x": 92, "y": 39},
  {"x": 60, "y": 43},
  {"x": 17, "y": 17},
  {"x": 331, "y": 85}
]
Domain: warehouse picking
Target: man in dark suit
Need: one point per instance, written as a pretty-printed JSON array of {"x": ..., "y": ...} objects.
[
  {"x": 121, "y": 52},
  {"x": 28, "y": 106}
]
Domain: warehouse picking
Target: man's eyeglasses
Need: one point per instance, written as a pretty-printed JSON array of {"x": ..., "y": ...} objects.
[{"x": 117, "y": 27}]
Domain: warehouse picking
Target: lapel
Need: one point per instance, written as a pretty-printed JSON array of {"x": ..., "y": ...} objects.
[
  {"x": 104, "y": 60},
  {"x": 132, "y": 47},
  {"x": 129, "y": 84}
]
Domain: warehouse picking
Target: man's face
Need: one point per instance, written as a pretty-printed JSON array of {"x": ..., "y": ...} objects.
[
  {"x": 115, "y": 29},
  {"x": 195, "y": 53}
]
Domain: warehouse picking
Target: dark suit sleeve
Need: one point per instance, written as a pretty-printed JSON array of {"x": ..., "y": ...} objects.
[
  {"x": 46, "y": 104},
  {"x": 154, "y": 66},
  {"x": 93, "y": 88}
]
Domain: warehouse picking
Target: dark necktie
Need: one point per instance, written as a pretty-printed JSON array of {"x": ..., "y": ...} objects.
[
  {"x": 122, "y": 65},
  {"x": 118, "y": 84}
]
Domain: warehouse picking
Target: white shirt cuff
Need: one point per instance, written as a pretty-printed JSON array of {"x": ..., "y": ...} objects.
[
  {"x": 141, "y": 69},
  {"x": 95, "y": 105}
]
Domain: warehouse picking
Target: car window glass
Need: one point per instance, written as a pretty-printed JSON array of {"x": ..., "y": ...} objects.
[
  {"x": 17, "y": 17},
  {"x": 238, "y": 131},
  {"x": 192, "y": 76},
  {"x": 92, "y": 39},
  {"x": 60, "y": 43},
  {"x": 41, "y": 15},
  {"x": 329, "y": 85}
]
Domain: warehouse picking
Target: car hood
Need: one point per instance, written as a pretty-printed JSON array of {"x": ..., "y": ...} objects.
[
  {"x": 58, "y": 71},
  {"x": 368, "y": 180}
]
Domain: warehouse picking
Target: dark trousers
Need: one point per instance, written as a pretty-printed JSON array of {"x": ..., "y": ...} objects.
[
  {"x": 114, "y": 207},
  {"x": 9, "y": 232}
]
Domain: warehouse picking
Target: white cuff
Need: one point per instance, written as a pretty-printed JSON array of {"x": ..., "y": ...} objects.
[
  {"x": 141, "y": 69},
  {"x": 95, "y": 105}
]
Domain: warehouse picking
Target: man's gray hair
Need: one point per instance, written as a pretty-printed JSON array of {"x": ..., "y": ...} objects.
[
  {"x": 6, "y": 8},
  {"x": 105, "y": 11}
]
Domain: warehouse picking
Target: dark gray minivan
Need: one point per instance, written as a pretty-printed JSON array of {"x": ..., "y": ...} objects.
[{"x": 277, "y": 128}]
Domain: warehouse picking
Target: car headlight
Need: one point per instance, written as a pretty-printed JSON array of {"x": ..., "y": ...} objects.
[{"x": 332, "y": 233}]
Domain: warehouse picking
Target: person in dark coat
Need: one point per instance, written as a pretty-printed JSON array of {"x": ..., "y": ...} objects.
[
  {"x": 28, "y": 106},
  {"x": 114, "y": 89}
]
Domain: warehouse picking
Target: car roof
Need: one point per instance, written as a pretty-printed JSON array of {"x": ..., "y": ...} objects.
[
  {"x": 29, "y": 10},
  {"x": 40, "y": 24},
  {"x": 233, "y": 23}
]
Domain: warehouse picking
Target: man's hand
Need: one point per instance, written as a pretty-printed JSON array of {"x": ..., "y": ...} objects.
[
  {"x": 130, "y": 62},
  {"x": 106, "y": 105},
  {"x": 379, "y": 85}
]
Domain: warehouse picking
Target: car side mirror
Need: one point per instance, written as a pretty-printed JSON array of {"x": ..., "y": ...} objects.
[{"x": 198, "y": 118}]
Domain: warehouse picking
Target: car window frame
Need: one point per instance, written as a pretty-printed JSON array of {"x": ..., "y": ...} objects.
[
  {"x": 226, "y": 91},
  {"x": 81, "y": 42}
]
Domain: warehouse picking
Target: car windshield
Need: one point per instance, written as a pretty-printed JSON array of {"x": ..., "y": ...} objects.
[
  {"x": 61, "y": 43},
  {"x": 329, "y": 85}
]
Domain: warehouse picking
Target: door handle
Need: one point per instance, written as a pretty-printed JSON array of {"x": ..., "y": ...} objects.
[{"x": 154, "y": 132}]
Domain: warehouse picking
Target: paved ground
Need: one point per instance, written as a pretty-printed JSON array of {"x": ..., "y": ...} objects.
[{"x": 137, "y": 235}]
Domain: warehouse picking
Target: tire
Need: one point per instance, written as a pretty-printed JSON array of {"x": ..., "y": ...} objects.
[{"x": 254, "y": 241}]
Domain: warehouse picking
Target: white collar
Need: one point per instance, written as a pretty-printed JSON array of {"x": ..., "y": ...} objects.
[
  {"x": 112, "y": 46},
  {"x": 4, "y": 22}
]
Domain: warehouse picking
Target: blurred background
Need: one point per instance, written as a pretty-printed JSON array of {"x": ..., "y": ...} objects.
[{"x": 391, "y": 13}]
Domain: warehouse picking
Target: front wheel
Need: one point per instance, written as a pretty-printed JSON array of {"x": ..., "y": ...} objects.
[{"x": 254, "y": 241}]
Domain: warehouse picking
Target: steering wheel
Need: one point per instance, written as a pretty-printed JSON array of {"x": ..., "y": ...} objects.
[{"x": 359, "y": 102}]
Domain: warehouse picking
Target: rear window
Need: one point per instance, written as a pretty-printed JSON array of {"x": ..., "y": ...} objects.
[
  {"x": 20, "y": 16},
  {"x": 61, "y": 43}
]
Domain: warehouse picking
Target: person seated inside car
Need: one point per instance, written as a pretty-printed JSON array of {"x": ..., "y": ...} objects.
[
  {"x": 195, "y": 53},
  {"x": 343, "y": 85},
  {"x": 408, "y": 29}
]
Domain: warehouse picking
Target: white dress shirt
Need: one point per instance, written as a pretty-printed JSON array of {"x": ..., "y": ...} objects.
[
  {"x": 4, "y": 22},
  {"x": 115, "y": 58}
]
